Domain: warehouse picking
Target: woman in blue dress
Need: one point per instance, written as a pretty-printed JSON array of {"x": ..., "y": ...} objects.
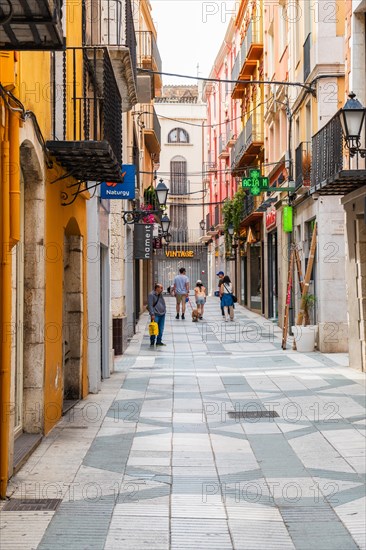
[{"x": 226, "y": 295}]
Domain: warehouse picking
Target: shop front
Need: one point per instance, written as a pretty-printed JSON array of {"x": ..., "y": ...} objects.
[
  {"x": 272, "y": 264},
  {"x": 168, "y": 261},
  {"x": 251, "y": 257}
]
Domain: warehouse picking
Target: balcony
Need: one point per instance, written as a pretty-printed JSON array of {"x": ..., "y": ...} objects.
[
  {"x": 230, "y": 139},
  {"x": 86, "y": 115},
  {"x": 327, "y": 174},
  {"x": 247, "y": 59},
  {"x": 248, "y": 145},
  {"x": 107, "y": 23},
  {"x": 223, "y": 150},
  {"x": 31, "y": 25},
  {"x": 148, "y": 57},
  {"x": 151, "y": 130},
  {"x": 208, "y": 167},
  {"x": 303, "y": 165}
]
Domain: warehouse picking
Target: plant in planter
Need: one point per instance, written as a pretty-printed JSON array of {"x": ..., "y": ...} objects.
[
  {"x": 309, "y": 303},
  {"x": 305, "y": 334}
]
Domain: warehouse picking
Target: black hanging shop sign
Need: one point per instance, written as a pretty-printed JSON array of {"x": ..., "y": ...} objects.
[{"x": 143, "y": 241}]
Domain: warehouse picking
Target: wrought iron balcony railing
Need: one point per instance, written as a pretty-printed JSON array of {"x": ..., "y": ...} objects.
[
  {"x": 236, "y": 68},
  {"x": 223, "y": 147},
  {"x": 30, "y": 25},
  {"x": 86, "y": 115},
  {"x": 148, "y": 56},
  {"x": 248, "y": 206},
  {"x": 303, "y": 164},
  {"x": 250, "y": 52},
  {"x": 110, "y": 23},
  {"x": 209, "y": 167},
  {"x": 249, "y": 142},
  {"x": 328, "y": 176}
]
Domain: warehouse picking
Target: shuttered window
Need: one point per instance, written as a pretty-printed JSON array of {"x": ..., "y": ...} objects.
[{"x": 178, "y": 176}]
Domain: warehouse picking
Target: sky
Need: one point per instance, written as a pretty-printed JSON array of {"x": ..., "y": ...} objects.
[{"x": 190, "y": 32}]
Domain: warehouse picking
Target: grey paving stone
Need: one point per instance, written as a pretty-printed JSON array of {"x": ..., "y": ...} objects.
[{"x": 79, "y": 525}]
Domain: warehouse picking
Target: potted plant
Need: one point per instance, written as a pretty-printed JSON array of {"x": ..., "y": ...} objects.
[{"x": 306, "y": 333}]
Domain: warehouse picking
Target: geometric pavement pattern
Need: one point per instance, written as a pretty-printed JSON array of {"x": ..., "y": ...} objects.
[{"x": 155, "y": 461}]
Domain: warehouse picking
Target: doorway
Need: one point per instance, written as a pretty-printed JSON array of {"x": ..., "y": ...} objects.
[
  {"x": 272, "y": 276},
  {"x": 72, "y": 319}
]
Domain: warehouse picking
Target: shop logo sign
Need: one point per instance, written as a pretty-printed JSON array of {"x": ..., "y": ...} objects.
[
  {"x": 143, "y": 241},
  {"x": 124, "y": 189}
]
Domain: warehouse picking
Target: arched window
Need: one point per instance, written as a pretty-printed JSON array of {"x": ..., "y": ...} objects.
[{"x": 178, "y": 135}]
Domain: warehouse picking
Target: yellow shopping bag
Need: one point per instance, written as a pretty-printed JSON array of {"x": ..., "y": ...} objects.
[{"x": 153, "y": 329}]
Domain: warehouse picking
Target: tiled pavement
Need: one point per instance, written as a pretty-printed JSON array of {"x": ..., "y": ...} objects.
[{"x": 154, "y": 461}]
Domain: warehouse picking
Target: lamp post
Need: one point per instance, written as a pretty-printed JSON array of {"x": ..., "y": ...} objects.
[
  {"x": 165, "y": 224},
  {"x": 136, "y": 215},
  {"x": 352, "y": 117},
  {"x": 161, "y": 191},
  {"x": 202, "y": 225}
]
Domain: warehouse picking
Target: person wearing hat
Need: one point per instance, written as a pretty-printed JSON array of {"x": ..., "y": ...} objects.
[
  {"x": 221, "y": 275},
  {"x": 200, "y": 297}
]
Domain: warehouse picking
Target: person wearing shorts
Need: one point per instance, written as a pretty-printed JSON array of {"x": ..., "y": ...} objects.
[
  {"x": 181, "y": 291},
  {"x": 200, "y": 297}
]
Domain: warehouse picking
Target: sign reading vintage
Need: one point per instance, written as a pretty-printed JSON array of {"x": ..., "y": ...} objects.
[
  {"x": 179, "y": 253},
  {"x": 143, "y": 241},
  {"x": 124, "y": 189}
]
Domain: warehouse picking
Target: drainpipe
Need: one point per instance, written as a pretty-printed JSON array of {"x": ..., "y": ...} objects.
[
  {"x": 14, "y": 179},
  {"x": 5, "y": 312}
]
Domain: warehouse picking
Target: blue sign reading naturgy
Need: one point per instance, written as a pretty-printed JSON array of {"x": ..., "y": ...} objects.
[{"x": 124, "y": 189}]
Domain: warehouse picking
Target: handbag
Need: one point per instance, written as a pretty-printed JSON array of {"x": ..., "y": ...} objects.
[{"x": 153, "y": 328}]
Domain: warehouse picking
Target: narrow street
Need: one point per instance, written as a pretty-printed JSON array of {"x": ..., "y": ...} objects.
[{"x": 155, "y": 460}]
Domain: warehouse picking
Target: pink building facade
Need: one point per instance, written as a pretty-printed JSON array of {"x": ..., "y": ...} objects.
[{"x": 223, "y": 118}]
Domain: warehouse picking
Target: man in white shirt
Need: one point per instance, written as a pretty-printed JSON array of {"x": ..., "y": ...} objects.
[{"x": 181, "y": 291}]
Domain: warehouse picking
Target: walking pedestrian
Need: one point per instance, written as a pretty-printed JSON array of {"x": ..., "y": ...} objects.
[
  {"x": 200, "y": 297},
  {"x": 181, "y": 291},
  {"x": 221, "y": 276},
  {"x": 227, "y": 302},
  {"x": 157, "y": 309}
]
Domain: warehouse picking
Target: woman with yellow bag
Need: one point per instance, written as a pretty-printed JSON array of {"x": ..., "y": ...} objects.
[{"x": 157, "y": 309}]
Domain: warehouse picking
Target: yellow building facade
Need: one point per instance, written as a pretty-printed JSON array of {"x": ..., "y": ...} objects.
[{"x": 43, "y": 235}]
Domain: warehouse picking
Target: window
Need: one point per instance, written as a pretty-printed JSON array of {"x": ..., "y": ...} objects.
[
  {"x": 178, "y": 176},
  {"x": 178, "y": 135},
  {"x": 179, "y": 227}
]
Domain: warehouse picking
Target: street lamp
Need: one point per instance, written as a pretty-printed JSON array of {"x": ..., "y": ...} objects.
[
  {"x": 162, "y": 193},
  {"x": 352, "y": 117},
  {"x": 230, "y": 230},
  {"x": 165, "y": 224},
  {"x": 202, "y": 225},
  {"x": 136, "y": 215}
]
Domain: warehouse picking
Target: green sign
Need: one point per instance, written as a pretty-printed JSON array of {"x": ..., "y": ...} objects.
[
  {"x": 287, "y": 219},
  {"x": 255, "y": 183}
]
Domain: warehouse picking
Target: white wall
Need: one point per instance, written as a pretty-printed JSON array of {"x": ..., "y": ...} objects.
[{"x": 195, "y": 115}]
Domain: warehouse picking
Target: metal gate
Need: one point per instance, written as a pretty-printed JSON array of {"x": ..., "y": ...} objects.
[{"x": 169, "y": 268}]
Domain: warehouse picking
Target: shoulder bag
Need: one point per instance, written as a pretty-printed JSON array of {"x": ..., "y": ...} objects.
[{"x": 233, "y": 295}]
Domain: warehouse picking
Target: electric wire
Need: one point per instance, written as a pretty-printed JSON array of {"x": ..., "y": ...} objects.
[
  {"x": 229, "y": 81},
  {"x": 206, "y": 125}
]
